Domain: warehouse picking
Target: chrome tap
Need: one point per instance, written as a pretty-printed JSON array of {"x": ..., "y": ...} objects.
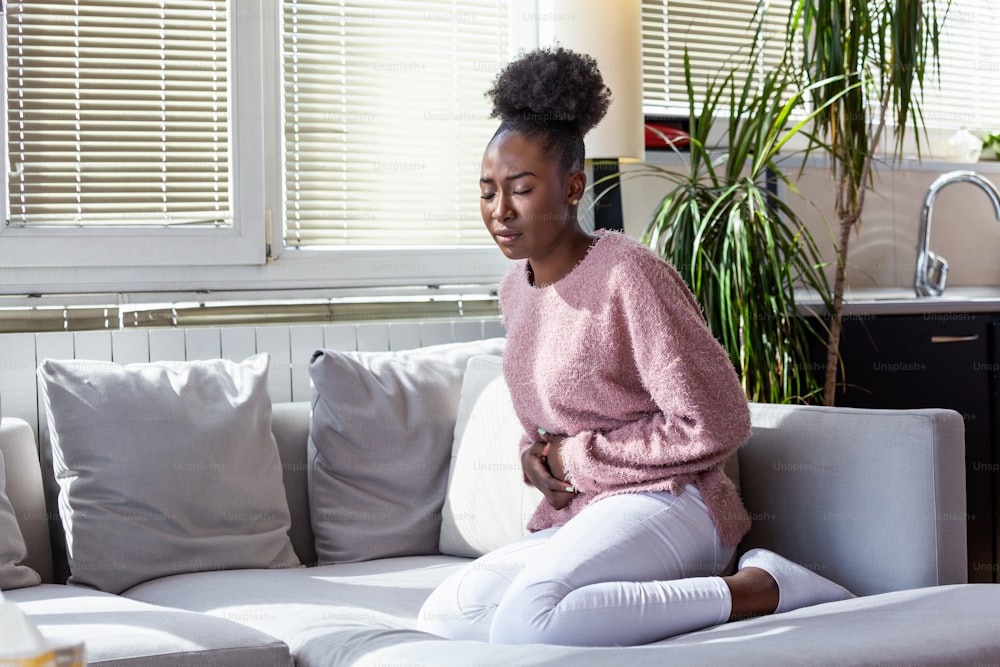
[{"x": 932, "y": 269}]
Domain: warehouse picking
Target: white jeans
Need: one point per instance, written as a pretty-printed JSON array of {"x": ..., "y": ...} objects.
[{"x": 627, "y": 570}]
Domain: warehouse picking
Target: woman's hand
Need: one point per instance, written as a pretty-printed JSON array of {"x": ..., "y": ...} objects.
[
  {"x": 536, "y": 470},
  {"x": 553, "y": 455}
]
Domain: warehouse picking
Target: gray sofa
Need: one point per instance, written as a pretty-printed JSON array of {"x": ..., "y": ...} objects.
[{"x": 872, "y": 499}]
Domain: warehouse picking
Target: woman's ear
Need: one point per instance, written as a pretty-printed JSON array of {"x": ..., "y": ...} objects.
[{"x": 576, "y": 185}]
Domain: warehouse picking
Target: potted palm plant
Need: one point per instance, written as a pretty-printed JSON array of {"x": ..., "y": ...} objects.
[
  {"x": 872, "y": 57},
  {"x": 741, "y": 249}
]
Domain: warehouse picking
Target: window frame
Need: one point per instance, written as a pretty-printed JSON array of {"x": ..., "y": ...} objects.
[
  {"x": 54, "y": 247},
  {"x": 249, "y": 256}
]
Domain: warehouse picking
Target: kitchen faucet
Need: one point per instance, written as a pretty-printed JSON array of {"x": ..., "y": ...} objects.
[{"x": 932, "y": 269}]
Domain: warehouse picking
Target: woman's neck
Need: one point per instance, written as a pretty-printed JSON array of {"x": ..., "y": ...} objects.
[{"x": 557, "y": 265}]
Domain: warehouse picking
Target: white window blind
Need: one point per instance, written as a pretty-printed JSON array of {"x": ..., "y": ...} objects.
[
  {"x": 118, "y": 113},
  {"x": 968, "y": 94},
  {"x": 386, "y": 120},
  {"x": 717, "y": 35}
]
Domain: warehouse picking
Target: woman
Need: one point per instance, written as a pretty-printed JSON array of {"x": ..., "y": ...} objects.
[{"x": 630, "y": 408}]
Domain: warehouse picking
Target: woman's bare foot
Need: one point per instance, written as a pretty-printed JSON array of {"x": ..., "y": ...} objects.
[{"x": 753, "y": 591}]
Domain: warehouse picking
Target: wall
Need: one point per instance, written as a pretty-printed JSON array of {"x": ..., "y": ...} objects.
[{"x": 964, "y": 230}]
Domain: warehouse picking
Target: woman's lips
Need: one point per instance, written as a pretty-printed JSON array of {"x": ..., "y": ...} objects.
[{"x": 507, "y": 238}]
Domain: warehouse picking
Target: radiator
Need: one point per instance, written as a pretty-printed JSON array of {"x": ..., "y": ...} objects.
[{"x": 290, "y": 348}]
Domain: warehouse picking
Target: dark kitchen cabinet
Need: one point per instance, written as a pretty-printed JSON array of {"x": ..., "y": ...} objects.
[{"x": 937, "y": 360}]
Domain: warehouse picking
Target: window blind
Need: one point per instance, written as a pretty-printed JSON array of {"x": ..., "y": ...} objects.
[
  {"x": 968, "y": 93},
  {"x": 118, "y": 112},
  {"x": 386, "y": 119},
  {"x": 717, "y": 35}
]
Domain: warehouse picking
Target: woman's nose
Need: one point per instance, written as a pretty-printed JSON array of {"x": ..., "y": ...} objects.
[{"x": 501, "y": 209}]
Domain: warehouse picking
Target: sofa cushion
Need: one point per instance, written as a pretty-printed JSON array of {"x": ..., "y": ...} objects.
[
  {"x": 873, "y": 499},
  {"x": 487, "y": 504},
  {"x": 325, "y": 614},
  {"x": 13, "y": 572},
  {"x": 123, "y": 632},
  {"x": 290, "y": 425},
  {"x": 165, "y": 468},
  {"x": 365, "y": 614},
  {"x": 948, "y": 625},
  {"x": 24, "y": 489},
  {"x": 379, "y": 445}
]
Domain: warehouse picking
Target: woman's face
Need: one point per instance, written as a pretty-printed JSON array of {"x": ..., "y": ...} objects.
[{"x": 527, "y": 204}]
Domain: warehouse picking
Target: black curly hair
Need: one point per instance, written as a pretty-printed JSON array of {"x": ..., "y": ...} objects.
[{"x": 554, "y": 96}]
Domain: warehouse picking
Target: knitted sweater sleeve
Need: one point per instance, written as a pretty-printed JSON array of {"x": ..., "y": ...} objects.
[{"x": 702, "y": 415}]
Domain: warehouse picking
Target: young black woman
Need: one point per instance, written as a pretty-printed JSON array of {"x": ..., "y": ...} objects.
[{"x": 630, "y": 408}]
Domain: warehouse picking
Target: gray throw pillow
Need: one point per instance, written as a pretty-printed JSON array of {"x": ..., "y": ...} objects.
[
  {"x": 12, "y": 549},
  {"x": 380, "y": 442},
  {"x": 165, "y": 468}
]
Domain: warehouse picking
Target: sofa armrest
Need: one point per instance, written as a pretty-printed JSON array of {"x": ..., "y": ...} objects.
[
  {"x": 24, "y": 490},
  {"x": 873, "y": 499}
]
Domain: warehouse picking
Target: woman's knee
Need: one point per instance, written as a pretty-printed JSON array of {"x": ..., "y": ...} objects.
[{"x": 527, "y": 615}]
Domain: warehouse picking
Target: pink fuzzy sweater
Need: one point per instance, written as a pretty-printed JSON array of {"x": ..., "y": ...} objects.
[{"x": 617, "y": 356}]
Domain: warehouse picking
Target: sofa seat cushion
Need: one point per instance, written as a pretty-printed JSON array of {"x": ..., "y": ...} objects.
[
  {"x": 365, "y": 614},
  {"x": 946, "y": 625},
  {"x": 118, "y": 631},
  {"x": 325, "y": 614}
]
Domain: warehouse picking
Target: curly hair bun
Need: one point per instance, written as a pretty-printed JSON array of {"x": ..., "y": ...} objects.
[{"x": 551, "y": 85}]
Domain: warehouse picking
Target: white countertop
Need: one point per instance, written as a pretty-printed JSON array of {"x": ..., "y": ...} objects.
[{"x": 903, "y": 301}]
